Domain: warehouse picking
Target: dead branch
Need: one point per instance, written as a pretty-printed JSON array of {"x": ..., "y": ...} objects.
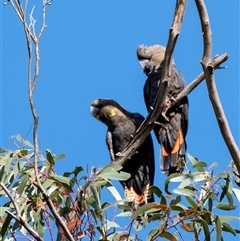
[
  {"x": 144, "y": 129},
  {"x": 208, "y": 69},
  {"x": 18, "y": 216},
  {"x": 160, "y": 105},
  {"x": 187, "y": 90}
]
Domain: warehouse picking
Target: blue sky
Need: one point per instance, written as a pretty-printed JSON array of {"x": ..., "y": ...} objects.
[{"x": 88, "y": 51}]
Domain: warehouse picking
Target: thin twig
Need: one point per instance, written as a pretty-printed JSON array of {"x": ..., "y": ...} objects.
[
  {"x": 212, "y": 89},
  {"x": 32, "y": 39},
  {"x": 18, "y": 216}
]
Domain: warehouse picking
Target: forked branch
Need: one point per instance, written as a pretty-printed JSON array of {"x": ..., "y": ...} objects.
[
  {"x": 212, "y": 89},
  {"x": 146, "y": 127},
  {"x": 160, "y": 105}
]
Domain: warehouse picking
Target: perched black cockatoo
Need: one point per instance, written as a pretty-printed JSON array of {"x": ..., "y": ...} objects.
[
  {"x": 170, "y": 130},
  {"x": 121, "y": 126}
]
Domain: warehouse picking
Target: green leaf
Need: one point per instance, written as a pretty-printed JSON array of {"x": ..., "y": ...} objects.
[
  {"x": 192, "y": 203},
  {"x": 193, "y": 178},
  {"x": 152, "y": 234},
  {"x": 17, "y": 168},
  {"x": 77, "y": 170},
  {"x": 167, "y": 181},
  {"x": 24, "y": 142},
  {"x": 120, "y": 176},
  {"x": 22, "y": 184},
  {"x": 50, "y": 157},
  {"x": 205, "y": 228},
  {"x": 192, "y": 159},
  {"x": 59, "y": 157},
  {"x": 92, "y": 202},
  {"x": 60, "y": 179},
  {"x": 6, "y": 225},
  {"x": 226, "y": 206},
  {"x": 113, "y": 172},
  {"x": 200, "y": 166},
  {"x": 99, "y": 183},
  {"x": 178, "y": 207},
  {"x": 96, "y": 194},
  {"x": 52, "y": 188},
  {"x": 156, "y": 191},
  {"x": 214, "y": 164},
  {"x": 7, "y": 162},
  {"x": 229, "y": 218},
  {"x": 218, "y": 228},
  {"x": 2, "y": 172},
  {"x": 147, "y": 208},
  {"x": 48, "y": 183},
  {"x": 110, "y": 168},
  {"x": 184, "y": 191},
  {"x": 210, "y": 204},
  {"x": 228, "y": 228},
  {"x": 41, "y": 227},
  {"x": 207, "y": 217},
  {"x": 2, "y": 150},
  {"x": 23, "y": 152},
  {"x": 163, "y": 200},
  {"x": 223, "y": 175}
]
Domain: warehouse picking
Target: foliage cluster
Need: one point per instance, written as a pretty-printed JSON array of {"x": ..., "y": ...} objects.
[{"x": 192, "y": 206}]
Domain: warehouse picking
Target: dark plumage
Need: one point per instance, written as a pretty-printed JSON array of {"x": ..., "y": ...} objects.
[
  {"x": 170, "y": 133},
  {"x": 121, "y": 126}
]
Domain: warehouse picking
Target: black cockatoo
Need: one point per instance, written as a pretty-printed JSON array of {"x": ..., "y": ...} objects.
[
  {"x": 121, "y": 126},
  {"x": 170, "y": 130}
]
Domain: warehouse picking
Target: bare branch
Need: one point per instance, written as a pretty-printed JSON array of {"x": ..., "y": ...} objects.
[
  {"x": 212, "y": 89},
  {"x": 144, "y": 129},
  {"x": 216, "y": 63},
  {"x": 17, "y": 7},
  {"x": 160, "y": 105},
  {"x": 18, "y": 216}
]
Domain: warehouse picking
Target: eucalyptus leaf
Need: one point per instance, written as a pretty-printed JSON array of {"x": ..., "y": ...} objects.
[
  {"x": 156, "y": 190},
  {"x": 60, "y": 179},
  {"x": 226, "y": 206},
  {"x": 192, "y": 203},
  {"x": 59, "y": 157},
  {"x": 193, "y": 178},
  {"x": 228, "y": 228},
  {"x": 92, "y": 202},
  {"x": 114, "y": 175},
  {"x": 147, "y": 208},
  {"x": 22, "y": 184},
  {"x": 24, "y": 142},
  {"x": 218, "y": 228},
  {"x": 184, "y": 191},
  {"x": 192, "y": 159},
  {"x": 169, "y": 179},
  {"x": 205, "y": 228},
  {"x": 229, "y": 218}
]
